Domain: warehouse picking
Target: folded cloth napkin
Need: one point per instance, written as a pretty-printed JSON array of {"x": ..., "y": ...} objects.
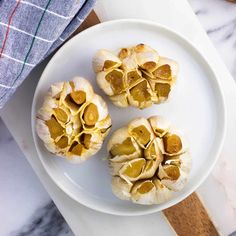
[{"x": 29, "y": 31}]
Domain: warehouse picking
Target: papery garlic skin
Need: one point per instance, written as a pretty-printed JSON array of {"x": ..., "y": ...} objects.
[
  {"x": 73, "y": 121},
  {"x": 147, "y": 58},
  {"x": 43, "y": 131},
  {"x": 184, "y": 163},
  {"x": 163, "y": 193},
  {"x": 149, "y": 161},
  {"x": 159, "y": 125},
  {"x": 139, "y": 77},
  {"x": 121, "y": 188},
  {"x": 144, "y": 198},
  {"x": 120, "y": 100}
]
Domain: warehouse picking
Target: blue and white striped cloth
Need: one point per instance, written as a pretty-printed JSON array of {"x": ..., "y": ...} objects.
[{"x": 29, "y": 31}]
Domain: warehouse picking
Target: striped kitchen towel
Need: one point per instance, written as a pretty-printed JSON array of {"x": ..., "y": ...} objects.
[{"x": 29, "y": 31}]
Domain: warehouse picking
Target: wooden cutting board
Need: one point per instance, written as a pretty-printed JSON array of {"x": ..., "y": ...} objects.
[{"x": 189, "y": 217}]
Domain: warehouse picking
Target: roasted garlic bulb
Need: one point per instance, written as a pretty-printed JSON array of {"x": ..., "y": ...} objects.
[
  {"x": 135, "y": 76},
  {"x": 149, "y": 160},
  {"x": 73, "y": 121}
]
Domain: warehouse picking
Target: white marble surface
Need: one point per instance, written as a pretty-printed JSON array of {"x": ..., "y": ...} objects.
[
  {"x": 31, "y": 212},
  {"x": 218, "y": 18}
]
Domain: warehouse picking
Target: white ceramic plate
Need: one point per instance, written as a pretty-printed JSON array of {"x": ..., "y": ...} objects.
[{"x": 196, "y": 106}]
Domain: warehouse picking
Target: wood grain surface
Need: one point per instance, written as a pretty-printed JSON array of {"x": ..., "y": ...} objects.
[{"x": 189, "y": 217}]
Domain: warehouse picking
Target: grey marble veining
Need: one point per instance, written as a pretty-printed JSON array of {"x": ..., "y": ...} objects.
[
  {"x": 218, "y": 18},
  {"x": 25, "y": 207},
  {"x": 47, "y": 220}
]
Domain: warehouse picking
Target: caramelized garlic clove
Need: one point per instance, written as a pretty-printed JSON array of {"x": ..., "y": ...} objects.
[
  {"x": 141, "y": 131},
  {"x": 46, "y": 111},
  {"x": 160, "y": 125},
  {"x": 93, "y": 112},
  {"x": 83, "y": 85},
  {"x": 172, "y": 177},
  {"x": 76, "y": 94},
  {"x": 104, "y": 60},
  {"x": 140, "y": 95},
  {"x": 144, "y": 192},
  {"x": 166, "y": 70},
  {"x": 111, "y": 81},
  {"x": 150, "y": 169},
  {"x": 162, "y": 91},
  {"x": 132, "y": 77},
  {"x": 147, "y": 58},
  {"x": 122, "y": 147},
  {"x": 183, "y": 161},
  {"x": 133, "y": 169},
  {"x": 173, "y": 143}
]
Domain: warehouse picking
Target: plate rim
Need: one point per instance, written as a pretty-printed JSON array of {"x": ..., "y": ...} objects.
[{"x": 201, "y": 179}]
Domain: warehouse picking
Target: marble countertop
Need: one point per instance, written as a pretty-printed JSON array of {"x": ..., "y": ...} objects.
[{"x": 31, "y": 211}]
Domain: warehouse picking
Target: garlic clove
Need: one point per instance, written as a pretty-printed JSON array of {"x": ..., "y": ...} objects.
[
  {"x": 122, "y": 147},
  {"x": 75, "y": 94},
  {"x": 129, "y": 63},
  {"x": 172, "y": 177},
  {"x": 104, "y": 60},
  {"x": 153, "y": 152},
  {"x": 160, "y": 125},
  {"x": 120, "y": 100},
  {"x": 150, "y": 169},
  {"x": 140, "y": 95},
  {"x": 104, "y": 126},
  {"x": 111, "y": 81},
  {"x": 43, "y": 131},
  {"x": 93, "y": 112},
  {"x": 121, "y": 188},
  {"x": 141, "y": 131},
  {"x": 144, "y": 192},
  {"x": 80, "y": 85},
  {"x": 163, "y": 194},
  {"x": 173, "y": 143},
  {"x": 147, "y": 58},
  {"x": 132, "y": 78},
  {"x": 133, "y": 169},
  {"x": 183, "y": 161},
  {"x": 115, "y": 167},
  {"x": 162, "y": 91},
  {"x": 166, "y": 70}
]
